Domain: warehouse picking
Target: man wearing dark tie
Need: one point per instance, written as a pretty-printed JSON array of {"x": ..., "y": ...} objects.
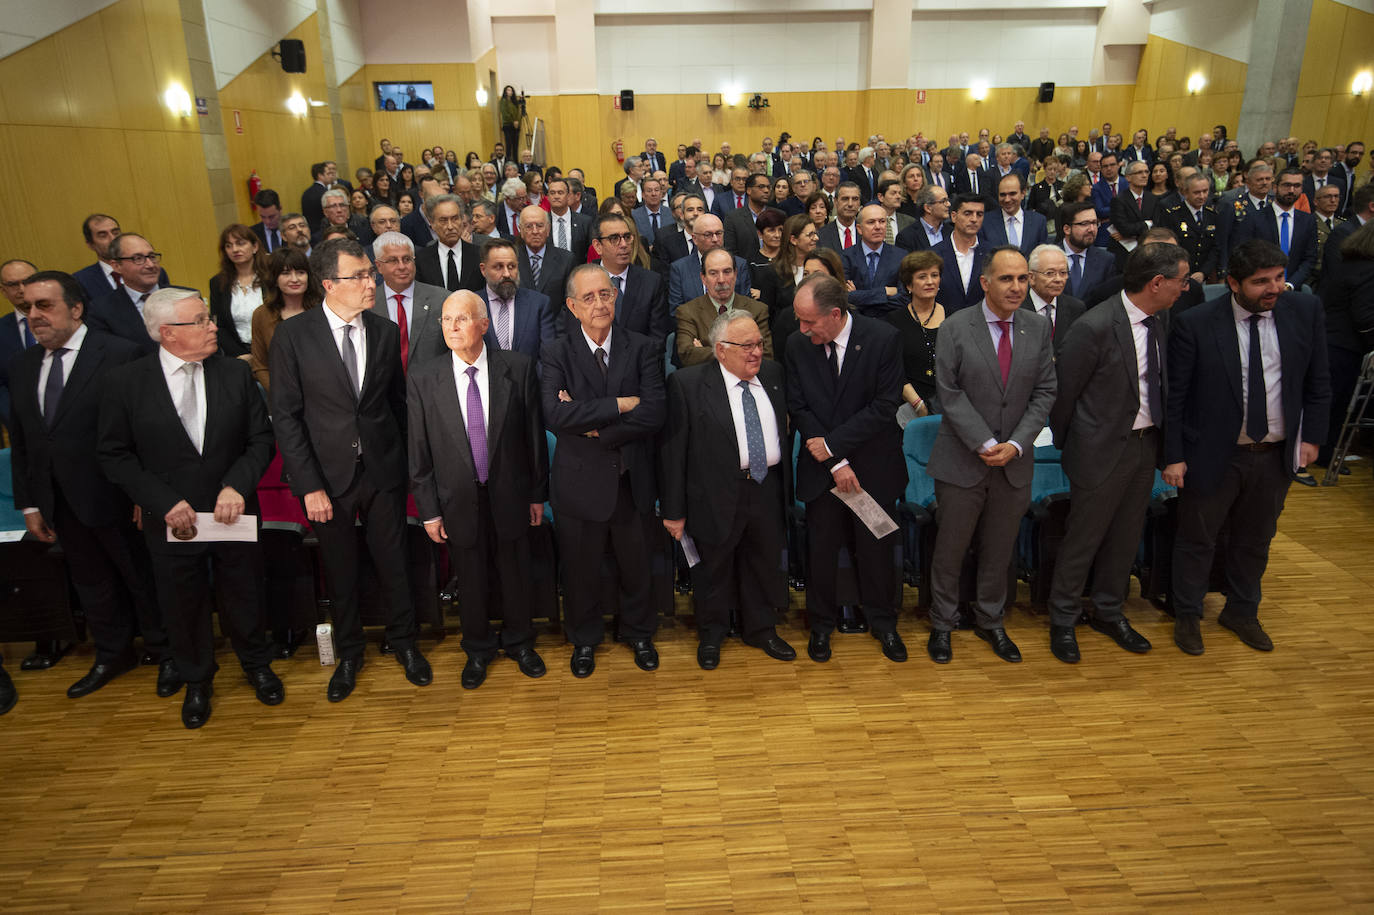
[
  {"x": 569, "y": 230},
  {"x": 56, "y": 388},
  {"x": 268, "y": 226},
  {"x": 544, "y": 268},
  {"x": 641, "y": 303},
  {"x": 842, "y": 232},
  {"x": 695, "y": 318},
  {"x": 994, "y": 369},
  {"x": 449, "y": 263},
  {"x": 1194, "y": 222},
  {"x": 339, "y": 408},
  {"x": 653, "y": 159},
  {"x": 873, "y": 265},
  {"x": 724, "y": 472},
  {"x": 99, "y": 278},
  {"x": 1049, "y": 274},
  {"x": 1249, "y": 401},
  {"x": 479, "y": 471},
  {"x": 602, "y": 391},
  {"x": 1089, "y": 265},
  {"x": 120, "y": 311},
  {"x": 413, "y": 307},
  {"x": 844, "y": 384},
  {"x": 184, "y": 432},
  {"x": 15, "y": 336},
  {"x": 1110, "y": 426},
  {"x": 1293, "y": 229}
]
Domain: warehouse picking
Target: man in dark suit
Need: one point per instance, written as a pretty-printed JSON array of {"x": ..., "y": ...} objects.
[
  {"x": 568, "y": 229},
  {"x": 1111, "y": 185},
  {"x": 413, "y": 307},
  {"x": 1323, "y": 174},
  {"x": 450, "y": 263},
  {"x": 963, "y": 243},
  {"x": 730, "y": 500},
  {"x": 1195, "y": 224},
  {"x": 696, "y": 317},
  {"x": 1010, "y": 223},
  {"x": 334, "y": 203},
  {"x": 653, "y": 159},
  {"x": 415, "y": 225},
  {"x": 100, "y": 278},
  {"x": 1049, "y": 274},
  {"x": 676, "y": 243},
  {"x": 684, "y": 276},
  {"x": 15, "y": 336},
  {"x": 56, "y": 387},
  {"x": 543, "y": 267},
  {"x": 932, "y": 227},
  {"x": 1133, "y": 211},
  {"x": 268, "y": 226},
  {"x": 652, "y": 214},
  {"x": 1282, "y": 223},
  {"x": 863, "y": 174},
  {"x": 741, "y": 233},
  {"x": 641, "y": 303},
  {"x": 520, "y": 319},
  {"x": 581, "y": 199},
  {"x": 182, "y": 433},
  {"x": 1046, "y": 195},
  {"x": 338, "y": 405},
  {"x": 844, "y": 384},
  {"x": 1108, "y": 419},
  {"x": 120, "y": 311},
  {"x": 479, "y": 469},
  {"x": 842, "y": 232},
  {"x": 684, "y": 168},
  {"x": 994, "y": 368},
  {"x": 1249, "y": 400},
  {"x": 971, "y": 177},
  {"x": 734, "y": 197},
  {"x": 1361, "y": 211},
  {"x": 1245, "y": 204},
  {"x": 1089, "y": 265},
  {"x": 322, "y": 177},
  {"x": 602, "y": 391},
  {"x": 872, "y": 266}
]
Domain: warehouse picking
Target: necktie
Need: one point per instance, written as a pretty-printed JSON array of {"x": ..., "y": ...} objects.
[
  {"x": 118, "y": 280},
  {"x": 1283, "y": 232},
  {"x": 653, "y": 221},
  {"x": 405, "y": 331},
  {"x": 534, "y": 270},
  {"x": 1140, "y": 203},
  {"x": 1049, "y": 313},
  {"x": 849, "y": 237},
  {"x": 1152, "y": 371},
  {"x": 562, "y": 239},
  {"x": 350, "y": 359},
  {"x": 1004, "y": 350},
  {"x": 833, "y": 357},
  {"x": 52, "y": 391},
  {"x": 273, "y": 241},
  {"x": 28, "y": 334},
  {"x": 1256, "y": 416},
  {"x": 973, "y": 181},
  {"x": 1076, "y": 273},
  {"x": 477, "y": 426},
  {"x": 739, "y": 201},
  {"x": 1013, "y": 236},
  {"x": 872, "y": 266},
  {"x": 452, "y": 283},
  {"x": 753, "y": 435},
  {"x": 503, "y": 323},
  {"x": 890, "y": 235},
  {"x": 601, "y": 362},
  {"x": 1320, "y": 182},
  {"x": 1113, "y": 187},
  {"x": 188, "y": 409}
]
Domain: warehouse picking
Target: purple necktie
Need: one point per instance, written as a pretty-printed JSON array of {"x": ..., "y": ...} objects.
[{"x": 477, "y": 427}]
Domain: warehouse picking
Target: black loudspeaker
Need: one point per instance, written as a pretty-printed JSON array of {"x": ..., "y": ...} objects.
[
  {"x": 1046, "y": 93},
  {"x": 627, "y": 100},
  {"x": 293, "y": 55}
]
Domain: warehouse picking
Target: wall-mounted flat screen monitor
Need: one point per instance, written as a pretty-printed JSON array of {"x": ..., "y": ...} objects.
[{"x": 404, "y": 96}]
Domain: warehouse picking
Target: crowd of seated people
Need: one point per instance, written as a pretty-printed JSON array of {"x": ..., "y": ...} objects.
[{"x": 718, "y": 337}]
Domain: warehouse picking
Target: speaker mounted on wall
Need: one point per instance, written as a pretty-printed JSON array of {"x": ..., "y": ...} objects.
[
  {"x": 627, "y": 100},
  {"x": 1046, "y": 93},
  {"x": 292, "y": 55}
]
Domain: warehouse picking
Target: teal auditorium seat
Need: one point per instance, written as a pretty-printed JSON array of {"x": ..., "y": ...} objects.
[
  {"x": 36, "y": 601},
  {"x": 916, "y": 511}
]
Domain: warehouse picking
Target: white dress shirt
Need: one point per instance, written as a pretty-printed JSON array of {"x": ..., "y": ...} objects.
[
  {"x": 1278, "y": 221},
  {"x": 1140, "y": 334},
  {"x": 1273, "y": 373},
  {"x": 483, "y": 381},
  {"x": 964, "y": 259},
  {"x": 336, "y": 326},
  {"x": 176, "y": 386},
  {"x": 772, "y": 447},
  {"x": 1047, "y": 309},
  {"x": 242, "y": 304},
  {"x": 73, "y": 346},
  {"x": 137, "y": 298},
  {"x": 566, "y": 221},
  {"x": 594, "y": 346}
]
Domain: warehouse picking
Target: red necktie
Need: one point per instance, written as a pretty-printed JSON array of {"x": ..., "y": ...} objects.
[
  {"x": 848, "y": 238},
  {"x": 1140, "y": 203},
  {"x": 1113, "y": 187},
  {"x": 405, "y": 331},
  {"x": 1004, "y": 350},
  {"x": 118, "y": 280}
]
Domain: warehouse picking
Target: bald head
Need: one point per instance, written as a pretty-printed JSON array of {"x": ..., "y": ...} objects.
[
  {"x": 708, "y": 232},
  {"x": 534, "y": 227}
]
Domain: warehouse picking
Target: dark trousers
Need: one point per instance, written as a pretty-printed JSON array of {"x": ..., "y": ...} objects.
[
  {"x": 511, "y": 134},
  {"x": 1104, "y": 528},
  {"x": 581, "y": 548},
  {"x": 831, "y": 528},
  {"x": 1250, "y": 496},
  {"x": 383, "y": 516},
  {"x": 112, "y": 575},
  {"x": 184, "y": 586},
  {"x": 748, "y": 569},
  {"x": 474, "y": 566},
  {"x": 1344, "y": 366},
  {"x": 990, "y": 510}
]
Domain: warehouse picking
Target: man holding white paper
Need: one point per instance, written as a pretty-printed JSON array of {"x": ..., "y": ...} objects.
[{"x": 184, "y": 431}]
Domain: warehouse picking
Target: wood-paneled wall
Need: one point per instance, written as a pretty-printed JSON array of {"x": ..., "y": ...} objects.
[
  {"x": 1340, "y": 43},
  {"x": 83, "y": 128},
  {"x": 1162, "y": 99}
]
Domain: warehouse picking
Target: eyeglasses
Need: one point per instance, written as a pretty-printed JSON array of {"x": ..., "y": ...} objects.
[
  {"x": 357, "y": 278},
  {"x": 1052, "y": 274},
  {"x": 1089, "y": 222},
  {"x": 618, "y": 238},
  {"x": 393, "y": 261},
  {"x": 718, "y": 233},
  {"x": 756, "y": 346},
  {"x": 201, "y": 320},
  {"x": 138, "y": 260},
  {"x": 606, "y": 296}
]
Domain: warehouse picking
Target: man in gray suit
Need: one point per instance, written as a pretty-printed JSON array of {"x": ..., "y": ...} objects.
[
  {"x": 994, "y": 369},
  {"x": 412, "y": 306},
  {"x": 1109, "y": 421}
]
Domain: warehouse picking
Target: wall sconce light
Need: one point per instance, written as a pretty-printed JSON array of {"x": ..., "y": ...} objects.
[
  {"x": 297, "y": 105},
  {"x": 730, "y": 95},
  {"x": 177, "y": 100},
  {"x": 481, "y": 96},
  {"x": 1363, "y": 82},
  {"x": 978, "y": 90},
  {"x": 1196, "y": 82}
]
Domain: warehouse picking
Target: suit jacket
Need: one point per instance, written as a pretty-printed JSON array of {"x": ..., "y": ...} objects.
[
  {"x": 1128, "y": 219},
  {"x": 443, "y": 477},
  {"x": 63, "y": 456},
  {"x": 1199, "y": 237},
  {"x": 1331, "y": 254},
  {"x": 642, "y": 307},
  {"x": 145, "y": 451},
  {"x": 10, "y": 346},
  {"x": 312, "y": 207},
  {"x": 655, "y": 161},
  {"x": 699, "y": 449},
  {"x": 987, "y": 184},
  {"x": 92, "y": 279},
  {"x": 1043, "y": 201},
  {"x": 1334, "y": 176},
  {"x": 1205, "y": 414},
  {"x": 553, "y": 271},
  {"x": 677, "y": 172},
  {"x": 976, "y": 407},
  {"x": 320, "y": 422},
  {"x": 221, "y": 307},
  {"x": 1143, "y": 154},
  {"x": 424, "y": 334},
  {"x": 641, "y": 218},
  {"x": 832, "y": 236},
  {"x": 870, "y": 295},
  {"x": 915, "y": 238},
  {"x": 115, "y": 313},
  {"x": 852, "y": 413},
  {"x": 1302, "y": 240},
  {"x": 1034, "y": 230},
  {"x": 943, "y": 178},
  {"x": 414, "y": 227},
  {"x": 741, "y": 235},
  {"x": 532, "y": 324},
  {"x": 954, "y": 295},
  {"x": 429, "y": 271},
  {"x": 1099, "y": 391},
  {"x": 586, "y": 471},
  {"x": 668, "y": 247},
  {"x": 860, "y": 177},
  {"x": 261, "y": 232},
  {"x": 1067, "y": 310},
  {"x": 580, "y": 236},
  {"x": 1102, "y": 197},
  {"x": 684, "y": 280},
  {"x": 1098, "y": 265},
  {"x": 724, "y": 204},
  {"x": 694, "y": 320}
]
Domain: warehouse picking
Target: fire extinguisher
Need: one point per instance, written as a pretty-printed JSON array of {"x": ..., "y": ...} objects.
[
  {"x": 254, "y": 185},
  {"x": 618, "y": 147}
]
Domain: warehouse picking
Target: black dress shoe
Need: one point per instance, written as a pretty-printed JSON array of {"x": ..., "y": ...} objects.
[
  {"x": 1064, "y": 644},
  {"x": 8, "y": 694},
  {"x": 475, "y": 670},
  {"x": 708, "y": 655},
  {"x": 938, "y": 646},
  {"x": 45, "y": 654},
  {"x": 818, "y": 647},
  {"x": 267, "y": 685},
  {"x": 1002, "y": 645},
  {"x": 583, "y": 661},
  {"x": 344, "y": 679},
  {"x": 1249, "y": 630},
  {"x": 168, "y": 680},
  {"x": 417, "y": 668},
  {"x": 531, "y": 665},
  {"x": 195, "y": 708},
  {"x": 287, "y": 645},
  {"x": 1188, "y": 633},
  {"x": 99, "y": 675},
  {"x": 1306, "y": 479},
  {"x": 646, "y": 656},
  {"x": 1121, "y": 632},
  {"x": 852, "y": 623},
  {"x": 894, "y": 649},
  {"x": 775, "y": 647}
]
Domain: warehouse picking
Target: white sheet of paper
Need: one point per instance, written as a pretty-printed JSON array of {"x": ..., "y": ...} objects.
[
  {"x": 689, "y": 550},
  {"x": 867, "y": 511},
  {"x": 208, "y": 530},
  {"x": 1046, "y": 437},
  {"x": 12, "y": 536}
]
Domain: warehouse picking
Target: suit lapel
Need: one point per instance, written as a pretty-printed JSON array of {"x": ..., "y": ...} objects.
[
  {"x": 717, "y": 399},
  {"x": 1121, "y": 329},
  {"x": 163, "y": 395},
  {"x": 982, "y": 338},
  {"x": 1224, "y": 329},
  {"x": 853, "y": 353},
  {"x": 214, "y": 404},
  {"x": 88, "y": 359},
  {"x": 447, "y": 401},
  {"x": 523, "y": 316},
  {"x": 324, "y": 336},
  {"x": 499, "y": 390},
  {"x": 375, "y": 357},
  {"x": 618, "y": 356}
]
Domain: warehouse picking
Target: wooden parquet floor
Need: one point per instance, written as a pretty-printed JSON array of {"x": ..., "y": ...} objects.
[{"x": 1236, "y": 780}]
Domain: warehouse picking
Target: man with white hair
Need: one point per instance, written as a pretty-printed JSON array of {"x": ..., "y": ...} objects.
[
  {"x": 514, "y": 197},
  {"x": 863, "y": 174},
  {"x": 336, "y": 214},
  {"x": 412, "y": 306},
  {"x": 634, "y": 173},
  {"x": 1049, "y": 274},
  {"x": 186, "y": 436}
]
